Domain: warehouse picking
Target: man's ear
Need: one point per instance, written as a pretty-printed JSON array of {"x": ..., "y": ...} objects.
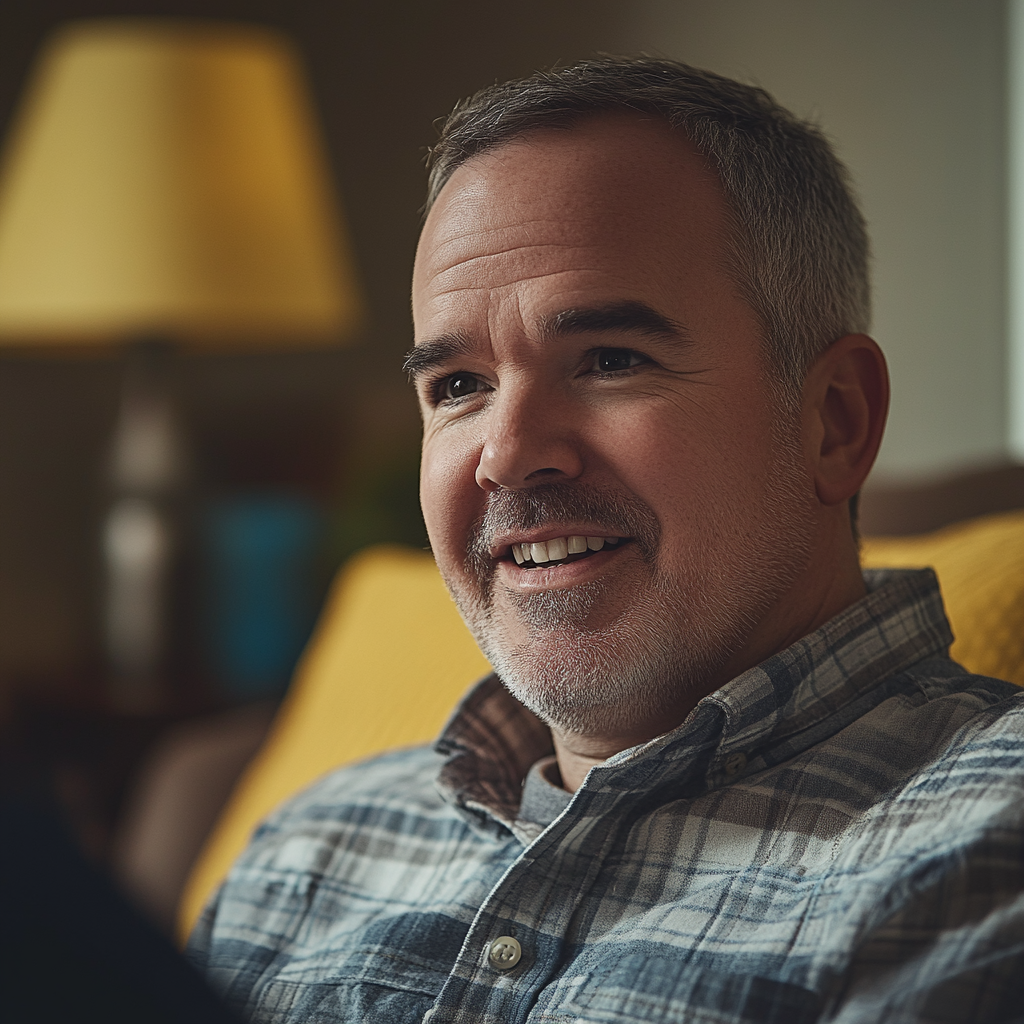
[{"x": 845, "y": 402}]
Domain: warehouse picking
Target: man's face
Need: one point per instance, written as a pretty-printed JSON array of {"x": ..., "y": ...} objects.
[{"x": 590, "y": 378}]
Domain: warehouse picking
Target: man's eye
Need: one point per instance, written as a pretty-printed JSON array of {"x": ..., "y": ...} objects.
[
  {"x": 458, "y": 385},
  {"x": 611, "y": 359}
]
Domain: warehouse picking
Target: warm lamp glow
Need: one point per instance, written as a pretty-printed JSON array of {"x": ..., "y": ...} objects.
[{"x": 167, "y": 179}]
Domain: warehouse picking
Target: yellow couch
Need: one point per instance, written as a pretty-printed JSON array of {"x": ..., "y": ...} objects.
[{"x": 390, "y": 657}]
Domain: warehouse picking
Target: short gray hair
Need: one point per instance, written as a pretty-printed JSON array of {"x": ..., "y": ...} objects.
[{"x": 800, "y": 256}]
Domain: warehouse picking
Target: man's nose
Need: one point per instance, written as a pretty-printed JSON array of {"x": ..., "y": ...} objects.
[{"x": 532, "y": 437}]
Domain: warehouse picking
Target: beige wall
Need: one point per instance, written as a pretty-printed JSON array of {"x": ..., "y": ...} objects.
[{"x": 912, "y": 93}]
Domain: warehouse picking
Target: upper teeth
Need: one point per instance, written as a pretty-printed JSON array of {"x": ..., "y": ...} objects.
[{"x": 559, "y": 548}]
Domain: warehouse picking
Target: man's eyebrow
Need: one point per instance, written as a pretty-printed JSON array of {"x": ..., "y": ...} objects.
[
  {"x": 631, "y": 316},
  {"x": 430, "y": 354}
]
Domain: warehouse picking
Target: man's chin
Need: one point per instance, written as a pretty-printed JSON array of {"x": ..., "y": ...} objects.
[
  {"x": 578, "y": 690},
  {"x": 581, "y": 680},
  {"x": 552, "y": 616}
]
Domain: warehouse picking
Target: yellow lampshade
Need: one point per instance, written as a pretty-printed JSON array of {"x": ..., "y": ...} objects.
[{"x": 167, "y": 178}]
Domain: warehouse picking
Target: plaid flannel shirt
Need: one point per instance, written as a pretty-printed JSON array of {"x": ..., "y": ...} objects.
[{"x": 834, "y": 835}]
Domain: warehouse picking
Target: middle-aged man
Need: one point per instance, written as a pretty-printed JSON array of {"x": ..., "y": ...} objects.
[{"x": 719, "y": 775}]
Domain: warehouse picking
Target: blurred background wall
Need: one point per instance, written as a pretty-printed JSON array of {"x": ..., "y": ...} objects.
[
  {"x": 339, "y": 425},
  {"x": 911, "y": 91}
]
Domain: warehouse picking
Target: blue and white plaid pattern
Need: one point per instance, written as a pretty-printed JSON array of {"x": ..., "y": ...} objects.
[{"x": 836, "y": 835}]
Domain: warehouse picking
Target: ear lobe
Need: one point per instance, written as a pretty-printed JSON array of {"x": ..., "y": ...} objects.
[{"x": 846, "y": 400}]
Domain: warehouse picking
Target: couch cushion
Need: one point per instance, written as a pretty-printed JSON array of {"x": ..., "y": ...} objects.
[{"x": 980, "y": 565}]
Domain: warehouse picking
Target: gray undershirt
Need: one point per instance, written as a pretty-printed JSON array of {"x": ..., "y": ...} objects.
[{"x": 543, "y": 797}]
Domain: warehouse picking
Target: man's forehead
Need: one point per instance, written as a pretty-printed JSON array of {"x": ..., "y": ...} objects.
[
  {"x": 610, "y": 188},
  {"x": 597, "y": 163}
]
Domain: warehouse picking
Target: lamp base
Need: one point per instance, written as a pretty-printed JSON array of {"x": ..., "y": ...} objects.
[{"x": 140, "y": 535}]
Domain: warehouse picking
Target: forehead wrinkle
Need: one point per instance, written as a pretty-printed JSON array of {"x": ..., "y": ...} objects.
[
  {"x": 456, "y": 289},
  {"x": 475, "y": 235},
  {"x": 525, "y": 253}
]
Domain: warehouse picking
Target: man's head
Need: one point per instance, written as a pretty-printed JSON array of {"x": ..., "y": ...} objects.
[
  {"x": 591, "y": 364},
  {"x": 798, "y": 247}
]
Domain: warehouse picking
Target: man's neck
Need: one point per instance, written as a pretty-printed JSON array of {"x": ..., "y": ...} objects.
[{"x": 577, "y": 755}]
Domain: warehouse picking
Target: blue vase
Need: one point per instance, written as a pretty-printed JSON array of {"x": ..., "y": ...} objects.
[{"x": 262, "y": 589}]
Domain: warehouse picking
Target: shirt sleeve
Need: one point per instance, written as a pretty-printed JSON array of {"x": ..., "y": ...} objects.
[{"x": 197, "y": 949}]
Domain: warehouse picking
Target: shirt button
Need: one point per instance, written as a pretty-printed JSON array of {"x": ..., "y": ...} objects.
[
  {"x": 735, "y": 763},
  {"x": 504, "y": 953}
]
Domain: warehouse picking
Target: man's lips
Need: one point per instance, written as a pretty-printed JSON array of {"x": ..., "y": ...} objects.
[
  {"x": 557, "y": 550},
  {"x": 550, "y": 514}
]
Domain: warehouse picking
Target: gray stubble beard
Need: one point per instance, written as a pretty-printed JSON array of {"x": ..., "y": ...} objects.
[{"x": 664, "y": 652}]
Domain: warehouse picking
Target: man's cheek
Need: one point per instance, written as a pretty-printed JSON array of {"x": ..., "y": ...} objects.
[{"x": 447, "y": 509}]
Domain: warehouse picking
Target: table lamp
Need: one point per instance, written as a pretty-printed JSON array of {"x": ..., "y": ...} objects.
[{"x": 164, "y": 185}]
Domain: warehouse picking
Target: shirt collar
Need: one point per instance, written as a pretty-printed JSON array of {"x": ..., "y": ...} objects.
[{"x": 769, "y": 714}]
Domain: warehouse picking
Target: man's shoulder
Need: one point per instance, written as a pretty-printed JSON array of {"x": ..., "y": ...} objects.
[
  {"x": 937, "y": 738},
  {"x": 986, "y": 707},
  {"x": 385, "y": 809},
  {"x": 953, "y": 739},
  {"x": 355, "y": 807},
  {"x": 940, "y": 700},
  {"x": 941, "y": 676},
  {"x": 399, "y": 780},
  {"x": 993, "y": 730},
  {"x": 938, "y": 682}
]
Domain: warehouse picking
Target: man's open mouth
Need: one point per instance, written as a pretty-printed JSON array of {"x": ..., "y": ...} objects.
[{"x": 560, "y": 550}]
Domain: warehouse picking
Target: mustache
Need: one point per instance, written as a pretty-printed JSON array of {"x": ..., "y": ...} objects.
[{"x": 508, "y": 511}]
